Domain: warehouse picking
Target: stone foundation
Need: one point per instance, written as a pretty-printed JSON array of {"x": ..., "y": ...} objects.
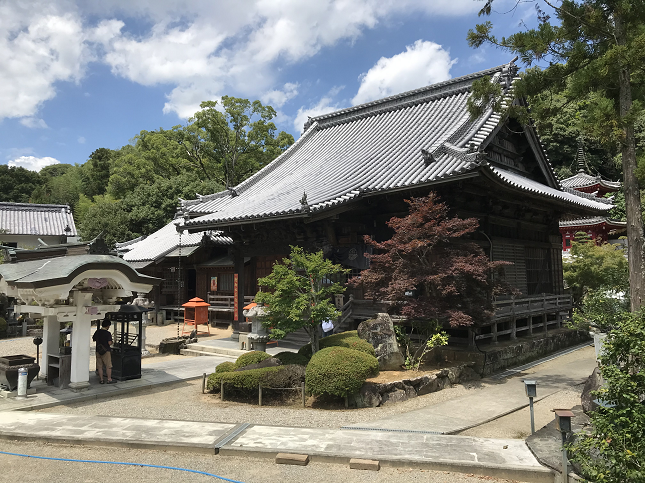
[
  {"x": 374, "y": 394},
  {"x": 498, "y": 357}
]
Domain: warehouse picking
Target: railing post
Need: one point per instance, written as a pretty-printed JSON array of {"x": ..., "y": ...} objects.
[
  {"x": 514, "y": 328},
  {"x": 304, "y": 400},
  {"x": 530, "y": 325},
  {"x": 545, "y": 323},
  {"x": 259, "y": 394},
  {"x": 494, "y": 332},
  {"x": 221, "y": 389}
]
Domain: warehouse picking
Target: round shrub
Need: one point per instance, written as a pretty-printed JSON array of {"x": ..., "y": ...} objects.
[
  {"x": 292, "y": 358},
  {"x": 225, "y": 367},
  {"x": 253, "y": 357},
  {"x": 339, "y": 371},
  {"x": 347, "y": 339}
]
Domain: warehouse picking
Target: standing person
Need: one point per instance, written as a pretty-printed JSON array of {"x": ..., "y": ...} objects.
[
  {"x": 327, "y": 327},
  {"x": 103, "y": 340}
]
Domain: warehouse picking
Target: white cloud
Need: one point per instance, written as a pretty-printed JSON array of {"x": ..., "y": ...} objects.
[
  {"x": 421, "y": 64},
  {"x": 277, "y": 98},
  {"x": 324, "y": 106},
  {"x": 38, "y": 47},
  {"x": 33, "y": 123},
  {"x": 81, "y": 140},
  {"x": 200, "y": 49},
  {"x": 33, "y": 163}
]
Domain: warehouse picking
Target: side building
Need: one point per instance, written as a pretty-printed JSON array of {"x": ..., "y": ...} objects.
[{"x": 30, "y": 225}]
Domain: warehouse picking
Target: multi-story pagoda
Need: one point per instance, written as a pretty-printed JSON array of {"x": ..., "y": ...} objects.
[{"x": 599, "y": 228}]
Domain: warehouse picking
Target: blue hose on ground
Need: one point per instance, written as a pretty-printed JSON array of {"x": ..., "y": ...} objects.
[{"x": 120, "y": 463}]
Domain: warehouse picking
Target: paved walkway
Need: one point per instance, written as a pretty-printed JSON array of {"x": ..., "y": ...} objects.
[
  {"x": 152, "y": 374},
  {"x": 494, "y": 457},
  {"x": 498, "y": 398}
]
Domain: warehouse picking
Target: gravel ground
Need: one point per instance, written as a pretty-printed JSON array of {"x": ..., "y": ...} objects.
[{"x": 249, "y": 470}]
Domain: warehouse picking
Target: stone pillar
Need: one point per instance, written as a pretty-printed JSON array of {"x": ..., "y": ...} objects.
[
  {"x": 81, "y": 328},
  {"x": 51, "y": 341},
  {"x": 513, "y": 329}
]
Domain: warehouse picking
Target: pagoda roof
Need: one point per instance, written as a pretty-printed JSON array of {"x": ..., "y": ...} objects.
[
  {"x": 415, "y": 139},
  {"x": 596, "y": 220},
  {"x": 584, "y": 180}
]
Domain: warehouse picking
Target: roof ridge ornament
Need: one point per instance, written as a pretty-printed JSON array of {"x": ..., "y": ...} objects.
[
  {"x": 428, "y": 158},
  {"x": 232, "y": 192},
  {"x": 304, "y": 206}
]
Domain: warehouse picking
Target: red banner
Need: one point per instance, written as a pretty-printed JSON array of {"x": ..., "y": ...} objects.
[{"x": 235, "y": 305}]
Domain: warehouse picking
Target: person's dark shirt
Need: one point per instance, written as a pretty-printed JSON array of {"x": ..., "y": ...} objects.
[{"x": 103, "y": 337}]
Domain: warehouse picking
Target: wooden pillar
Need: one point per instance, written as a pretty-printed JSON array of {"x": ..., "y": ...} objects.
[
  {"x": 530, "y": 325},
  {"x": 494, "y": 333},
  {"x": 513, "y": 329},
  {"x": 471, "y": 338},
  {"x": 545, "y": 325},
  {"x": 238, "y": 315}
]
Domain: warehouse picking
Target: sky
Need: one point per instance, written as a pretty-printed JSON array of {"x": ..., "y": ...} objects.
[{"x": 76, "y": 76}]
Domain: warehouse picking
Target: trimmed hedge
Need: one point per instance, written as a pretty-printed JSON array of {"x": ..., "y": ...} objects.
[
  {"x": 225, "y": 367},
  {"x": 292, "y": 358},
  {"x": 339, "y": 371},
  {"x": 253, "y": 357},
  {"x": 281, "y": 376},
  {"x": 347, "y": 339}
]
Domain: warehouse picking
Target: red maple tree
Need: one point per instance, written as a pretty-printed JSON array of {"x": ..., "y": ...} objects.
[{"x": 429, "y": 270}]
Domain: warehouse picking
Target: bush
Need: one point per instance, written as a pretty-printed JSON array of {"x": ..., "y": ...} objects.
[
  {"x": 281, "y": 376},
  {"x": 347, "y": 339},
  {"x": 292, "y": 358},
  {"x": 339, "y": 371},
  {"x": 253, "y": 357},
  {"x": 225, "y": 367},
  {"x": 3, "y": 327}
]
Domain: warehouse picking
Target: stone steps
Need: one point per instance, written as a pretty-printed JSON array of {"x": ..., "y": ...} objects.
[
  {"x": 200, "y": 353},
  {"x": 209, "y": 350}
]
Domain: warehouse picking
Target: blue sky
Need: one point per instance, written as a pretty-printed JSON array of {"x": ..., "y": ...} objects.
[{"x": 76, "y": 76}]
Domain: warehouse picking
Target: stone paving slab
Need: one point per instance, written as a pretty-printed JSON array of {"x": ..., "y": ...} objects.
[
  {"x": 122, "y": 431},
  {"x": 153, "y": 374}
]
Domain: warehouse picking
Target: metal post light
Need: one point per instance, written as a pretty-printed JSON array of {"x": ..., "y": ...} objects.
[
  {"x": 531, "y": 392},
  {"x": 37, "y": 342},
  {"x": 563, "y": 424}
]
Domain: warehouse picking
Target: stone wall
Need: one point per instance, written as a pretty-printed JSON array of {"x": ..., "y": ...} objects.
[
  {"x": 513, "y": 353},
  {"x": 373, "y": 394}
]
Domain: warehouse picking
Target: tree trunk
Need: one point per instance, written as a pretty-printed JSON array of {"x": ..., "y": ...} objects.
[
  {"x": 630, "y": 182},
  {"x": 314, "y": 338}
]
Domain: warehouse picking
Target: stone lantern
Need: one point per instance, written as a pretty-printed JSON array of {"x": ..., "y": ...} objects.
[{"x": 259, "y": 336}]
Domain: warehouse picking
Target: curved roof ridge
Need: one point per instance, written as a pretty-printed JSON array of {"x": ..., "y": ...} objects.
[{"x": 422, "y": 94}]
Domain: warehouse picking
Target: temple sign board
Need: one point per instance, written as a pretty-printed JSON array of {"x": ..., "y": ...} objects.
[{"x": 76, "y": 289}]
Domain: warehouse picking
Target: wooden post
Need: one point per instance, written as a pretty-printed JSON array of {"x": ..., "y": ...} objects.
[
  {"x": 471, "y": 338},
  {"x": 346, "y": 402},
  {"x": 238, "y": 316},
  {"x": 260, "y": 395},
  {"x": 494, "y": 332},
  {"x": 530, "y": 325},
  {"x": 304, "y": 400},
  {"x": 545, "y": 324},
  {"x": 513, "y": 329},
  {"x": 203, "y": 383},
  {"x": 221, "y": 389}
]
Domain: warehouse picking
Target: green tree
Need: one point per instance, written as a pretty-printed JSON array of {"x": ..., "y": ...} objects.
[
  {"x": 593, "y": 51},
  {"x": 230, "y": 140},
  {"x": 17, "y": 184},
  {"x": 96, "y": 172},
  {"x": 613, "y": 451},
  {"x": 299, "y": 292},
  {"x": 106, "y": 216},
  {"x": 61, "y": 184},
  {"x": 595, "y": 267}
]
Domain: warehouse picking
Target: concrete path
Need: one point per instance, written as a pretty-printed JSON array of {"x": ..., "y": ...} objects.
[
  {"x": 152, "y": 374},
  {"x": 499, "y": 458},
  {"x": 495, "y": 399}
]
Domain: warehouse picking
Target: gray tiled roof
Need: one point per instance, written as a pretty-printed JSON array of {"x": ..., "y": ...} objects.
[
  {"x": 596, "y": 220},
  {"x": 35, "y": 219},
  {"x": 582, "y": 180},
  {"x": 416, "y": 138},
  {"x": 165, "y": 241}
]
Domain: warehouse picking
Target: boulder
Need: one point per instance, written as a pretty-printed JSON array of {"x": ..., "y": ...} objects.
[
  {"x": 369, "y": 396},
  {"x": 380, "y": 333},
  {"x": 593, "y": 383},
  {"x": 393, "y": 397}
]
